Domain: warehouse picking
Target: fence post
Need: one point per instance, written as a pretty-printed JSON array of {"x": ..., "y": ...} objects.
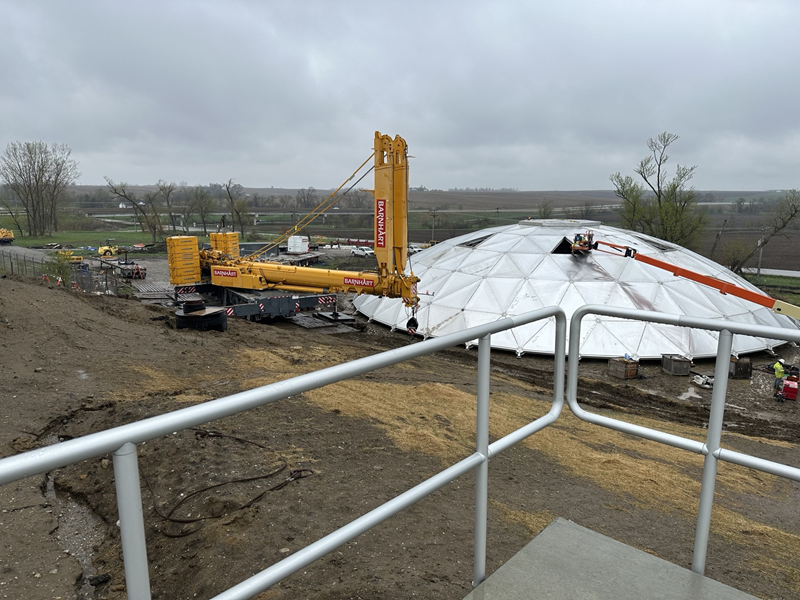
[
  {"x": 131, "y": 522},
  {"x": 713, "y": 437},
  {"x": 482, "y": 471}
]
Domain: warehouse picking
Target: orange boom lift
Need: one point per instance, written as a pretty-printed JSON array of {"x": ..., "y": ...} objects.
[{"x": 587, "y": 244}]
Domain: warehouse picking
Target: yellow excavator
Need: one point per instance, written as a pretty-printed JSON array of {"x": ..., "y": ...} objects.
[{"x": 221, "y": 266}]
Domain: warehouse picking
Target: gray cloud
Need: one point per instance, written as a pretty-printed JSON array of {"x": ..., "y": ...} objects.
[{"x": 505, "y": 94}]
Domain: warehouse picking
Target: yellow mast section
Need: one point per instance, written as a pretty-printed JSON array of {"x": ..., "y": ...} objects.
[{"x": 391, "y": 203}]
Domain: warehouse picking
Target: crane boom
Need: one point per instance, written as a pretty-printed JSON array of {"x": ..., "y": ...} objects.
[
  {"x": 777, "y": 306},
  {"x": 222, "y": 264},
  {"x": 322, "y": 207}
]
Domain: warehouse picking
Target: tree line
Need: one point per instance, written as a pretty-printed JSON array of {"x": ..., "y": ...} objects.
[
  {"x": 35, "y": 190},
  {"x": 36, "y": 179}
]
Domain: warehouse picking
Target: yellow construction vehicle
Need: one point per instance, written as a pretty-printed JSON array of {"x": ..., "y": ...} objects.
[
  {"x": 6, "y": 236},
  {"x": 221, "y": 265},
  {"x": 69, "y": 256},
  {"x": 108, "y": 249}
]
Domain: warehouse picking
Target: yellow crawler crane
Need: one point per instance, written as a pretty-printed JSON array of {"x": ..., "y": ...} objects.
[{"x": 221, "y": 263}]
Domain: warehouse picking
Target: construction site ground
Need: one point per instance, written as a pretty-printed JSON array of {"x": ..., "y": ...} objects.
[{"x": 74, "y": 363}]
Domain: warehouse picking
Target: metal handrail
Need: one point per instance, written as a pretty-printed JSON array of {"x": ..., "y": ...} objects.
[
  {"x": 122, "y": 440},
  {"x": 711, "y": 448}
]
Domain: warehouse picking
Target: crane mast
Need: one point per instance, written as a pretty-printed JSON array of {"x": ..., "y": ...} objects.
[{"x": 391, "y": 204}]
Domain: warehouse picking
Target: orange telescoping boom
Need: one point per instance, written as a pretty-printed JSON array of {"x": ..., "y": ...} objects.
[{"x": 777, "y": 306}]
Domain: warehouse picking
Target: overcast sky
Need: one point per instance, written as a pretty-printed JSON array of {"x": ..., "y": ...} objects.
[{"x": 527, "y": 95}]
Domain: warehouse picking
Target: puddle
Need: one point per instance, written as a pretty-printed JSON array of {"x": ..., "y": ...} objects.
[{"x": 79, "y": 530}]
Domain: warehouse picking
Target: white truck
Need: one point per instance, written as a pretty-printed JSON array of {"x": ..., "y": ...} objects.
[{"x": 297, "y": 244}]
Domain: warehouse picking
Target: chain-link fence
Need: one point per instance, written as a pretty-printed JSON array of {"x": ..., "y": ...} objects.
[
  {"x": 80, "y": 276},
  {"x": 98, "y": 282},
  {"x": 21, "y": 264}
]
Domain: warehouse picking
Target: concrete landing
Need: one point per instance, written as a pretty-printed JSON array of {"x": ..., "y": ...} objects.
[{"x": 569, "y": 562}]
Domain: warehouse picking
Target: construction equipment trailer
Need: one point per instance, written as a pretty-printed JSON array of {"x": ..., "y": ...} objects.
[
  {"x": 259, "y": 305},
  {"x": 248, "y": 286}
]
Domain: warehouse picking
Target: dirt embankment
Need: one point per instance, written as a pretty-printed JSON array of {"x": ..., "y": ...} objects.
[{"x": 220, "y": 503}]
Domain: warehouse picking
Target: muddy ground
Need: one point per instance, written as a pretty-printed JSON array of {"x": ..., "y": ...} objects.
[{"x": 75, "y": 364}]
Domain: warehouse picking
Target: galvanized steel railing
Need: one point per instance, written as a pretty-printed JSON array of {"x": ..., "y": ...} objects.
[
  {"x": 711, "y": 448},
  {"x": 121, "y": 441}
]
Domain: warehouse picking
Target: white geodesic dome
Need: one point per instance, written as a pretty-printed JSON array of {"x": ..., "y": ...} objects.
[{"x": 510, "y": 270}]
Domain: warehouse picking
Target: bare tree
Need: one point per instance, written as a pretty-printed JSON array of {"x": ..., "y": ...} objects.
[
  {"x": 358, "y": 199},
  {"x": 661, "y": 207},
  {"x": 203, "y": 204},
  {"x": 238, "y": 206},
  {"x": 167, "y": 190},
  {"x": 786, "y": 211},
  {"x": 545, "y": 209},
  {"x": 307, "y": 198},
  {"x": 717, "y": 238},
  {"x": 146, "y": 207},
  {"x": 184, "y": 205},
  {"x": 587, "y": 210},
  {"x": 38, "y": 176},
  {"x": 13, "y": 208}
]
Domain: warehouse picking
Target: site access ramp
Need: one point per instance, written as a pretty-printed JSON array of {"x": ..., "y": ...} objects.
[{"x": 567, "y": 561}]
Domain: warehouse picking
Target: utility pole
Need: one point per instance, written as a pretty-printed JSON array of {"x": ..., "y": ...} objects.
[
  {"x": 433, "y": 225},
  {"x": 760, "y": 250}
]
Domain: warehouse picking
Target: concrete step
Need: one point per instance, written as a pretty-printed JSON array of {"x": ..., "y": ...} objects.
[{"x": 569, "y": 562}]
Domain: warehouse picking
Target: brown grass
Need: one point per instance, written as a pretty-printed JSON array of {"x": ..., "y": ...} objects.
[
  {"x": 532, "y": 522},
  {"x": 439, "y": 420},
  {"x": 431, "y": 418}
]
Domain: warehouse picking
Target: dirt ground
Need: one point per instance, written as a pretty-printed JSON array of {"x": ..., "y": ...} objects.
[{"x": 75, "y": 364}]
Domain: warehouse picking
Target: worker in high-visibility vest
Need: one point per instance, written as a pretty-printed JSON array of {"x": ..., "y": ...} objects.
[{"x": 780, "y": 372}]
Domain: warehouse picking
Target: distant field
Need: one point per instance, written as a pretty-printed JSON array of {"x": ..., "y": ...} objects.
[
  {"x": 86, "y": 238},
  {"x": 460, "y": 212}
]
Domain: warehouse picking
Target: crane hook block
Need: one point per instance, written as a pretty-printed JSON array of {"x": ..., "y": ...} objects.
[{"x": 412, "y": 325}]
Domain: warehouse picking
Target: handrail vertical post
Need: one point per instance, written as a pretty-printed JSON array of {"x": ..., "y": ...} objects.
[
  {"x": 713, "y": 437},
  {"x": 131, "y": 522},
  {"x": 482, "y": 471}
]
